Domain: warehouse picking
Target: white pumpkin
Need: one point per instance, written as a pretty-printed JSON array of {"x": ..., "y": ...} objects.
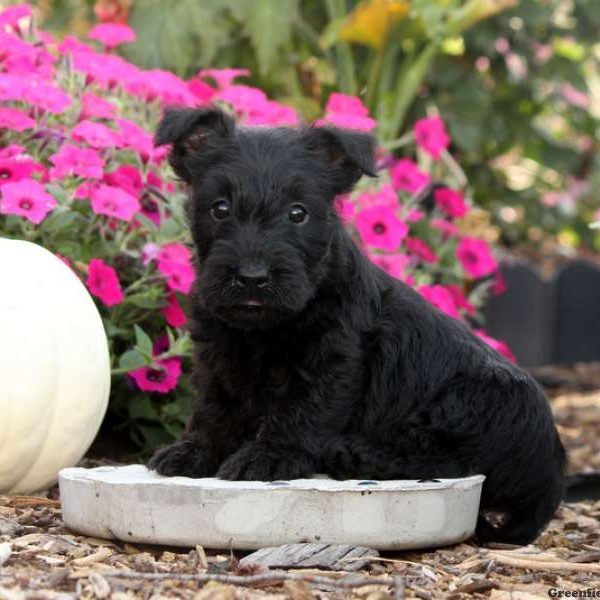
[{"x": 54, "y": 368}]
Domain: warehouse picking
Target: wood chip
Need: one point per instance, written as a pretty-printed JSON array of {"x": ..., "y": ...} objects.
[
  {"x": 336, "y": 557},
  {"x": 99, "y": 556}
]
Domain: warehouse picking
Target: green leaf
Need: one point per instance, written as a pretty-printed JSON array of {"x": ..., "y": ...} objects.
[
  {"x": 268, "y": 24},
  {"x": 434, "y": 15},
  {"x": 142, "y": 408},
  {"x": 132, "y": 359},
  {"x": 58, "y": 221},
  {"x": 143, "y": 343},
  {"x": 151, "y": 299}
]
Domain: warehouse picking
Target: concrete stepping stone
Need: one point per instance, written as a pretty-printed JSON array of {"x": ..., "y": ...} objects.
[{"x": 134, "y": 504}]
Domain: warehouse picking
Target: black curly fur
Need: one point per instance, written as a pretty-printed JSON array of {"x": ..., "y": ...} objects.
[{"x": 341, "y": 369}]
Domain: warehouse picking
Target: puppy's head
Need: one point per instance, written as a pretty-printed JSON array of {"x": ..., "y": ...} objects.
[{"x": 261, "y": 208}]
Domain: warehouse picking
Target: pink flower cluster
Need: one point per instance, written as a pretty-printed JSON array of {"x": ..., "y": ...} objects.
[
  {"x": 79, "y": 174},
  {"x": 408, "y": 226}
]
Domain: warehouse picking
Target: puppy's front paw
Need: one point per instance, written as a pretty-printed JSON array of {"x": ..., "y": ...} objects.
[
  {"x": 181, "y": 458},
  {"x": 254, "y": 462}
]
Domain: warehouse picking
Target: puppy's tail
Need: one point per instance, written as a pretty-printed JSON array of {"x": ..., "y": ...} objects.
[{"x": 527, "y": 515}]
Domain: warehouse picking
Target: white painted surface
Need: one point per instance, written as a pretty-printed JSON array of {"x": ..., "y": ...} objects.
[{"x": 133, "y": 504}]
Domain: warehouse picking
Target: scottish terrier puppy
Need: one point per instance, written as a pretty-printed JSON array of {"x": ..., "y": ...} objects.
[{"x": 310, "y": 359}]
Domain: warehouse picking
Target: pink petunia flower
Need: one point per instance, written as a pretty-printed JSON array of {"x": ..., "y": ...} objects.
[
  {"x": 46, "y": 96},
  {"x": 451, "y": 202},
  {"x": 380, "y": 228},
  {"x": 347, "y": 111},
  {"x": 150, "y": 208},
  {"x": 26, "y": 198},
  {"x": 441, "y": 298},
  {"x": 112, "y": 35},
  {"x": 15, "y": 119},
  {"x": 103, "y": 282},
  {"x": 460, "y": 300},
  {"x": 476, "y": 257},
  {"x": 71, "y": 160},
  {"x": 393, "y": 264},
  {"x": 174, "y": 261},
  {"x": 94, "y": 106},
  {"x": 161, "y": 377},
  {"x": 497, "y": 345},
  {"x": 414, "y": 215},
  {"x": 13, "y": 14},
  {"x": 96, "y": 135},
  {"x": 383, "y": 196},
  {"x": 158, "y": 84},
  {"x": 446, "y": 228},
  {"x": 407, "y": 176},
  {"x": 15, "y": 169},
  {"x": 126, "y": 177},
  {"x": 203, "y": 92},
  {"x": 223, "y": 77},
  {"x": 421, "y": 249},
  {"x": 132, "y": 136},
  {"x": 345, "y": 208},
  {"x": 173, "y": 312},
  {"x": 431, "y": 136},
  {"x": 114, "y": 202}
]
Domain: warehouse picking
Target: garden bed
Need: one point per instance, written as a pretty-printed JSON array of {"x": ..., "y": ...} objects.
[{"x": 40, "y": 558}]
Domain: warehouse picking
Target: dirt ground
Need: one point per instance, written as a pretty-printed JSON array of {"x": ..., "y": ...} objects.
[{"x": 40, "y": 558}]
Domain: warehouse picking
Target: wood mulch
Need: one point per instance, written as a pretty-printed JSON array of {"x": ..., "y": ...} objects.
[{"x": 40, "y": 558}]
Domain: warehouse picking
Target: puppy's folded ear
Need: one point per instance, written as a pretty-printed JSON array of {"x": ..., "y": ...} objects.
[
  {"x": 350, "y": 154},
  {"x": 191, "y": 131}
]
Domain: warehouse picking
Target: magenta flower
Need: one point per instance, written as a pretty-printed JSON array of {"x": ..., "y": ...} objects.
[
  {"x": 132, "y": 136},
  {"x": 114, "y": 202},
  {"x": 223, "y": 77},
  {"x": 71, "y": 160},
  {"x": 345, "y": 208},
  {"x": 161, "y": 377},
  {"x": 422, "y": 250},
  {"x": 112, "y": 35},
  {"x": 497, "y": 345},
  {"x": 446, "y": 228},
  {"x": 431, "y": 136},
  {"x": 126, "y": 177},
  {"x": 95, "y": 135},
  {"x": 451, "y": 202},
  {"x": 174, "y": 261},
  {"x": 104, "y": 69},
  {"x": 173, "y": 312},
  {"x": 203, "y": 92},
  {"x": 13, "y": 14},
  {"x": 94, "y": 106},
  {"x": 414, "y": 215},
  {"x": 393, "y": 264},
  {"x": 441, "y": 298},
  {"x": 384, "y": 196},
  {"x": 15, "y": 169},
  {"x": 26, "y": 198},
  {"x": 476, "y": 257},
  {"x": 380, "y": 228},
  {"x": 15, "y": 119},
  {"x": 46, "y": 96},
  {"x": 407, "y": 176},
  {"x": 348, "y": 111},
  {"x": 460, "y": 300},
  {"x": 103, "y": 282},
  {"x": 159, "y": 84}
]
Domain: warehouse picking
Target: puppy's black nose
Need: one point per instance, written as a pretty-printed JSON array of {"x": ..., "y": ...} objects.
[{"x": 253, "y": 276}]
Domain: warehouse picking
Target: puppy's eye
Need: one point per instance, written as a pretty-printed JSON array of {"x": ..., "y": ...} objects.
[
  {"x": 220, "y": 210},
  {"x": 298, "y": 214}
]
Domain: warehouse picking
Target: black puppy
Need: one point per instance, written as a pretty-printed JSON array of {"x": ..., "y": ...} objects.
[{"x": 309, "y": 359}]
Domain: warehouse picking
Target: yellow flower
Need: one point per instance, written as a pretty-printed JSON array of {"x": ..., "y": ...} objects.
[{"x": 370, "y": 22}]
